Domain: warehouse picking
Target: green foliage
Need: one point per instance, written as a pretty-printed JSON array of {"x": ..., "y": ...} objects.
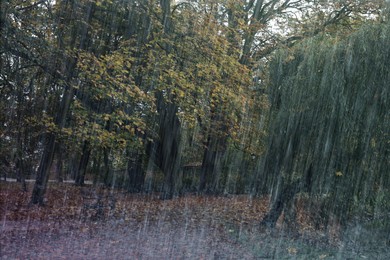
[
  {"x": 106, "y": 73},
  {"x": 330, "y": 108}
]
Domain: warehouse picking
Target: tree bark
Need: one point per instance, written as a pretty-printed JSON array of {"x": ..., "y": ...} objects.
[
  {"x": 136, "y": 173},
  {"x": 60, "y": 164},
  {"x": 79, "y": 181},
  {"x": 169, "y": 146},
  {"x": 20, "y": 165},
  {"x": 166, "y": 151},
  {"x": 212, "y": 164},
  {"x": 107, "y": 178},
  {"x": 42, "y": 178}
]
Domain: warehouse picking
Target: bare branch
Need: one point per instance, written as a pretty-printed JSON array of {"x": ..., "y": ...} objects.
[{"x": 30, "y": 6}]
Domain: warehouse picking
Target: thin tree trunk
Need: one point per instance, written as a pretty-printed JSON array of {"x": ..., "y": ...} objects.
[
  {"x": 136, "y": 173},
  {"x": 208, "y": 165},
  {"x": 43, "y": 171},
  {"x": 107, "y": 178},
  {"x": 96, "y": 168},
  {"x": 20, "y": 170},
  {"x": 169, "y": 149},
  {"x": 60, "y": 164},
  {"x": 79, "y": 181}
]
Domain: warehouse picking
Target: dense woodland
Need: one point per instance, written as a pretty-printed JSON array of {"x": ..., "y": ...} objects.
[{"x": 279, "y": 97}]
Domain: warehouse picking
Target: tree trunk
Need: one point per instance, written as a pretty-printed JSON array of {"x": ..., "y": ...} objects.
[
  {"x": 60, "y": 165},
  {"x": 212, "y": 164},
  {"x": 20, "y": 170},
  {"x": 215, "y": 148},
  {"x": 96, "y": 168},
  {"x": 249, "y": 35},
  {"x": 79, "y": 181},
  {"x": 49, "y": 150},
  {"x": 168, "y": 154},
  {"x": 43, "y": 171},
  {"x": 107, "y": 178},
  {"x": 136, "y": 173},
  {"x": 20, "y": 164}
]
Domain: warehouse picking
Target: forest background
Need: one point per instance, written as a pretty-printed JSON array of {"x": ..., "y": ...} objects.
[{"x": 284, "y": 98}]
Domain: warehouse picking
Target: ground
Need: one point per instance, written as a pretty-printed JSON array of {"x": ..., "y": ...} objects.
[{"x": 96, "y": 223}]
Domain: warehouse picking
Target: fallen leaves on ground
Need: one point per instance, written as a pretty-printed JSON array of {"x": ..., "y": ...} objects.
[
  {"x": 97, "y": 223},
  {"x": 141, "y": 225},
  {"x": 68, "y": 202}
]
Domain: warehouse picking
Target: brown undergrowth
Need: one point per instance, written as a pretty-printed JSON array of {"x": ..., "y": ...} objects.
[{"x": 67, "y": 202}]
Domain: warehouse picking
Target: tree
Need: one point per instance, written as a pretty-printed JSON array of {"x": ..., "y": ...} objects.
[
  {"x": 25, "y": 76},
  {"x": 329, "y": 104},
  {"x": 111, "y": 88}
]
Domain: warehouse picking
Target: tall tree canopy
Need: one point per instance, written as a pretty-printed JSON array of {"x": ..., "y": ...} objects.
[
  {"x": 129, "y": 93},
  {"x": 329, "y": 130}
]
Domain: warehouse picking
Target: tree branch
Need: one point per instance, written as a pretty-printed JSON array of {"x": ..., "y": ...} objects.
[{"x": 30, "y": 6}]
